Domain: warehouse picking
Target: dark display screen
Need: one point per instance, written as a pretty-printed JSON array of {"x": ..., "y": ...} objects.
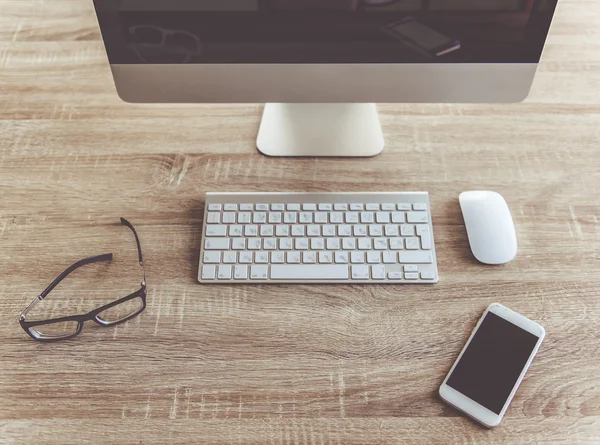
[
  {"x": 493, "y": 362},
  {"x": 324, "y": 31}
]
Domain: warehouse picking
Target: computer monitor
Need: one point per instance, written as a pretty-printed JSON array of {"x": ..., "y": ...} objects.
[{"x": 320, "y": 65}]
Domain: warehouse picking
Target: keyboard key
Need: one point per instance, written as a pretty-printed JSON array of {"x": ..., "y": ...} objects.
[
  {"x": 349, "y": 243},
  {"x": 340, "y": 207},
  {"x": 244, "y": 217},
  {"x": 278, "y": 257},
  {"x": 236, "y": 230},
  {"x": 416, "y": 217},
  {"x": 388, "y": 207},
  {"x": 262, "y": 207},
  {"x": 259, "y": 272},
  {"x": 325, "y": 207},
  {"x": 282, "y": 230},
  {"x": 246, "y": 257},
  {"x": 373, "y": 257},
  {"x": 309, "y": 257},
  {"x": 270, "y": 243},
  {"x": 378, "y": 272},
  {"x": 328, "y": 230},
  {"x": 404, "y": 207},
  {"x": 240, "y": 272},
  {"x": 352, "y": 217},
  {"x": 357, "y": 257},
  {"x": 266, "y": 230},
  {"x": 216, "y": 244},
  {"x": 213, "y": 218},
  {"x": 321, "y": 218},
  {"x": 293, "y": 207},
  {"x": 214, "y": 230},
  {"x": 238, "y": 244},
  {"x": 427, "y": 276},
  {"x": 380, "y": 243},
  {"x": 214, "y": 207},
  {"x": 275, "y": 218},
  {"x": 313, "y": 230},
  {"x": 390, "y": 257},
  {"x": 367, "y": 217},
  {"x": 261, "y": 257},
  {"x": 229, "y": 257},
  {"x": 411, "y": 276},
  {"x": 290, "y": 218},
  {"x": 286, "y": 244},
  {"x": 372, "y": 206},
  {"x": 250, "y": 230},
  {"x": 357, "y": 207},
  {"x": 360, "y": 230},
  {"x": 325, "y": 257},
  {"x": 391, "y": 230},
  {"x": 396, "y": 243},
  {"x": 298, "y": 230},
  {"x": 407, "y": 230},
  {"x": 365, "y": 244},
  {"x": 209, "y": 272},
  {"x": 416, "y": 257},
  {"x": 293, "y": 257},
  {"x": 301, "y": 244},
  {"x": 411, "y": 268},
  {"x": 278, "y": 207},
  {"x": 224, "y": 272},
  {"x": 398, "y": 217},
  {"x": 229, "y": 218},
  {"x": 333, "y": 243},
  {"x": 308, "y": 272},
  {"x": 383, "y": 217},
  {"x": 341, "y": 257},
  {"x": 254, "y": 243},
  {"x": 412, "y": 243},
  {"x": 376, "y": 230},
  {"x": 259, "y": 218},
  {"x": 231, "y": 207},
  {"x": 336, "y": 218},
  {"x": 345, "y": 230},
  {"x": 246, "y": 207},
  {"x": 395, "y": 275},
  {"x": 309, "y": 207},
  {"x": 317, "y": 243},
  {"x": 360, "y": 272},
  {"x": 420, "y": 206},
  {"x": 306, "y": 218}
]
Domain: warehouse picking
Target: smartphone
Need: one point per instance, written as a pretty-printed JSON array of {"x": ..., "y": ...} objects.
[
  {"x": 491, "y": 366},
  {"x": 421, "y": 37}
]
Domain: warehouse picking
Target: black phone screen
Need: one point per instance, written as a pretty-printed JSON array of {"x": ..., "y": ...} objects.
[{"x": 492, "y": 363}]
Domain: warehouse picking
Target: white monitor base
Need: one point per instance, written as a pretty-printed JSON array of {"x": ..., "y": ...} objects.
[{"x": 331, "y": 130}]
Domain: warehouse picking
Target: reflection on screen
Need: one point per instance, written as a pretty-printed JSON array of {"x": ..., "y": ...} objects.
[
  {"x": 324, "y": 31},
  {"x": 492, "y": 363}
]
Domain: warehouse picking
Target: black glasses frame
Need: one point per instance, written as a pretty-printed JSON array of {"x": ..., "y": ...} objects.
[{"x": 93, "y": 315}]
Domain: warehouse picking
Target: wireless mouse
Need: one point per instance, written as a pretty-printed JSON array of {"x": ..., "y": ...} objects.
[{"x": 490, "y": 226}]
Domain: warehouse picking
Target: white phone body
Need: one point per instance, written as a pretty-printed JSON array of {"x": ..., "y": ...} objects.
[{"x": 475, "y": 409}]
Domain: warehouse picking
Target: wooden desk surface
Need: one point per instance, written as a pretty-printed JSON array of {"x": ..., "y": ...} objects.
[{"x": 284, "y": 364}]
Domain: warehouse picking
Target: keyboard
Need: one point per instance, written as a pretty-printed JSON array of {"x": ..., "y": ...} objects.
[{"x": 317, "y": 238}]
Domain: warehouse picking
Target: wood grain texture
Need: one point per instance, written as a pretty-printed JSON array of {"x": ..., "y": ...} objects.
[{"x": 284, "y": 364}]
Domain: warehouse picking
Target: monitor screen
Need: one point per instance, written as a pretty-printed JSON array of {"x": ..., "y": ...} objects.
[{"x": 324, "y": 31}]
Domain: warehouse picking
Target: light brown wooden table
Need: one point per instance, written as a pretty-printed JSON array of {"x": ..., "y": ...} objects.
[{"x": 284, "y": 364}]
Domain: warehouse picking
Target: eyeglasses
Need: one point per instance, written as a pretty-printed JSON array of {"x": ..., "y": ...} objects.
[
  {"x": 154, "y": 44},
  {"x": 111, "y": 314}
]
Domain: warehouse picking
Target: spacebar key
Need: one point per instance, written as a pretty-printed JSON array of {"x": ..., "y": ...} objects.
[{"x": 300, "y": 272}]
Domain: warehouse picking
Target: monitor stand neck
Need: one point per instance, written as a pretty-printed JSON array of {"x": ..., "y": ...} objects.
[{"x": 331, "y": 130}]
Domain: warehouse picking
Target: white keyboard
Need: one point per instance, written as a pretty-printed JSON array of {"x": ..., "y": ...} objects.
[{"x": 317, "y": 238}]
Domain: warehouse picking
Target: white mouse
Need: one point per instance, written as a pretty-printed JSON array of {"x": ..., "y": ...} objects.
[{"x": 490, "y": 226}]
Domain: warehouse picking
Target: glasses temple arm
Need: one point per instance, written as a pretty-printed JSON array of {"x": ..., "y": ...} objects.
[
  {"x": 139, "y": 247},
  {"x": 62, "y": 276}
]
